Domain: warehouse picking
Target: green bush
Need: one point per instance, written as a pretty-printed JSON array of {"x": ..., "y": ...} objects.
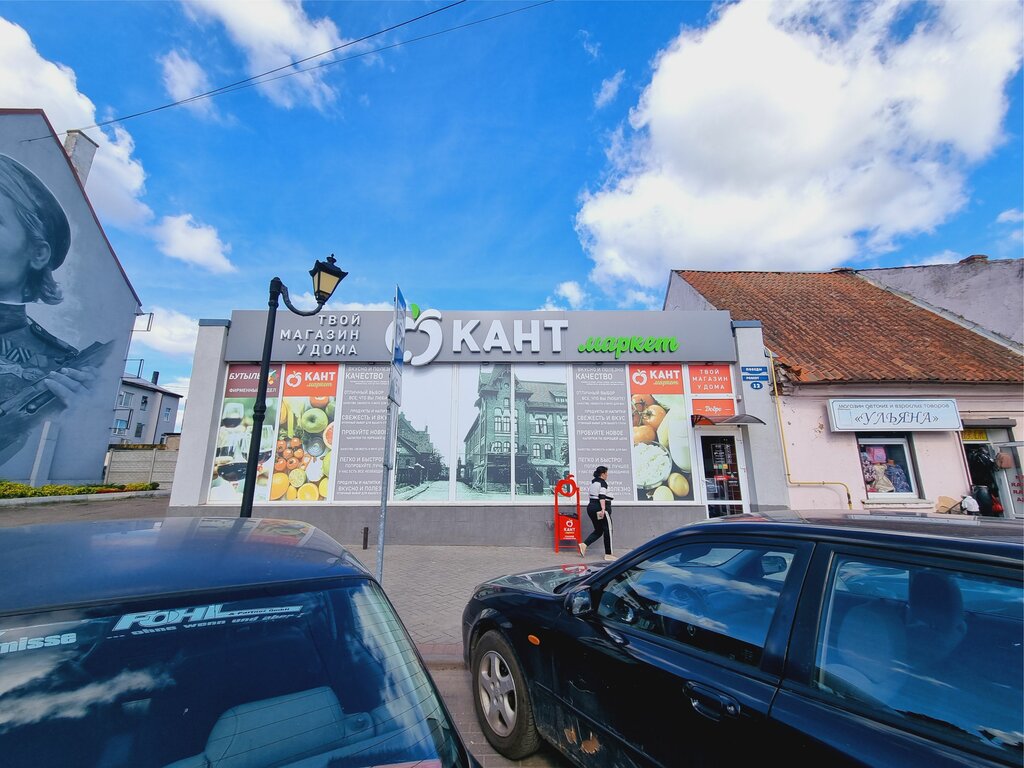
[{"x": 9, "y": 490}]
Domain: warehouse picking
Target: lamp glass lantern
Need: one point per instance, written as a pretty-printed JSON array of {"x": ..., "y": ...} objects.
[{"x": 326, "y": 276}]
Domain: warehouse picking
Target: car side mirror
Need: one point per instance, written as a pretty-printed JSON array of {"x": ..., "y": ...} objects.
[
  {"x": 579, "y": 602},
  {"x": 772, "y": 564}
]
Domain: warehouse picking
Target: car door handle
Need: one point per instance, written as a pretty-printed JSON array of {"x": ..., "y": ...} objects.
[{"x": 710, "y": 703}]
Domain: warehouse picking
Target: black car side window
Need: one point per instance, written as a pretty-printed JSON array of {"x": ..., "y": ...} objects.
[
  {"x": 936, "y": 650},
  {"x": 719, "y": 599}
]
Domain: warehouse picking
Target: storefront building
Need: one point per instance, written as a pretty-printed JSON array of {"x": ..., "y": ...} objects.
[
  {"x": 882, "y": 401},
  {"x": 496, "y": 408}
]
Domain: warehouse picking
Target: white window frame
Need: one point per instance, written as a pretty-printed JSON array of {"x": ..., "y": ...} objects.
[
  {"x": 908, "y": 450},
  {"x": 124, "y": 399}
]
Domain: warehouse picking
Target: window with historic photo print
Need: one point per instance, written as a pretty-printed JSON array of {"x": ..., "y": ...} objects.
[
  {"x": 423, "y": 451},
  {"x": 485, "y": 432},
  {"x": 542, "y": 434}
]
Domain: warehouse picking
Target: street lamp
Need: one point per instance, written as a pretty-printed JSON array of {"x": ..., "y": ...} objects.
[{"x": 326, "y": 276}]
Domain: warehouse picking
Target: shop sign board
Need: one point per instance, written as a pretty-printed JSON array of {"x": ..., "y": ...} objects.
[
  {"x": 894, "y": 415},
  {"x": 711, "y": 379},
  {"x": 480, "y": 337}
]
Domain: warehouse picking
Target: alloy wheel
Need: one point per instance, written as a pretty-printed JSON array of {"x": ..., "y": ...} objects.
[{"x": 497, "y": 692}]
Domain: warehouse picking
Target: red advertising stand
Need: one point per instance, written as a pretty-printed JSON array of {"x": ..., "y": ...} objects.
[{"x": 567, "y": 523}]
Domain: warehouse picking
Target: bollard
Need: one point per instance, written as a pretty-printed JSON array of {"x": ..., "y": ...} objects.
[{"x": 366, "y": 536}]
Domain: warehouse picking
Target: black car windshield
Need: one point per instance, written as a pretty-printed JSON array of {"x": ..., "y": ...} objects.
[{"x": 318, "y": 679}]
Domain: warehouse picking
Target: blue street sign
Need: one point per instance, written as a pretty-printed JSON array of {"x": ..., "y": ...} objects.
[
  {"x": 755, "y": 377},
  {"x": 754, "y": 369},
  {"x": 756, "y": 385}
]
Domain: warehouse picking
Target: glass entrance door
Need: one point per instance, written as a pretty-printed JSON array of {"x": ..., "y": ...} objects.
[{"x": 723, "y": 473}]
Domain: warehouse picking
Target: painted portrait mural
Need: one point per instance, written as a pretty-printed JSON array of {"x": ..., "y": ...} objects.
[{"x": 66, "y": 313}]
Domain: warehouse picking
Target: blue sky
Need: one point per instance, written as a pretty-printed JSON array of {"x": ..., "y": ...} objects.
[{"x": 568, "y": 155}]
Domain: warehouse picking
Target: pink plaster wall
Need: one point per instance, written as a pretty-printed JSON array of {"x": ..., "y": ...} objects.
[{"x": 817, "y": 454}]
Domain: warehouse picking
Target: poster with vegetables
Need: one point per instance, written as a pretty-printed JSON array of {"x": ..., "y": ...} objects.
[
  {"x": 234, "y": 434},
  {"x": 662, "y": 465},
  {"x": 305, "y": 433}
]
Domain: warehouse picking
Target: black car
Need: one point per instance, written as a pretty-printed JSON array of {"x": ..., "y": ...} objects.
[
  {"x": 201, "y": 642},
  {"x": 811, "y": 639}
]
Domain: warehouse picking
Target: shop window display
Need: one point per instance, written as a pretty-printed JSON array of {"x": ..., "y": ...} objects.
[
  {"x": 886, "y": 466},
  {"x": 423, "y": 450}
]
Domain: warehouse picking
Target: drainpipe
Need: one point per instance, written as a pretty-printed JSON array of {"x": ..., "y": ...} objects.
[{"x": 782, "y": 436}]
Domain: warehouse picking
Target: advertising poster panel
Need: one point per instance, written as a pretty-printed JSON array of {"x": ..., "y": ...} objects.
[
  {"x": 234, "y": 434},
  {"x": 423, "y": 450},
  {"x": 362, "y": 432},
  {"x": 662, "y": 463},
  {"x": 302, "y": 459},
  {"x": 602, "y": 427}
]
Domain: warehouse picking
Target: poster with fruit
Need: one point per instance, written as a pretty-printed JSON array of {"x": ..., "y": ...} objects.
[
  {"x": 234, "y": 434},
  {"x": 302, "y": 459},
  {"x": 662, "y": 467}
]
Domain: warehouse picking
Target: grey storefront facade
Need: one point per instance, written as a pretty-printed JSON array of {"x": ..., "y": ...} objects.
[{"x": 496, "y": 408}]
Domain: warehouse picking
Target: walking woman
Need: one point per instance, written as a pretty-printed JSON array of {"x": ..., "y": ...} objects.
[{"x": 599, "y": 509}]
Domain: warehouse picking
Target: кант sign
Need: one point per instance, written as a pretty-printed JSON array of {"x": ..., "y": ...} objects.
[{"x": 893, "y": 415}]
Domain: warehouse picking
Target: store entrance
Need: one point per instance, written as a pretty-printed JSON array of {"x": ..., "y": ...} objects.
[
  {"x": 994, "y": 465},
  {"x": 723, "y": 471}
]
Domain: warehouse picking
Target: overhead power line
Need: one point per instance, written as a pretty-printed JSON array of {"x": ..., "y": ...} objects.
[{"x": 263, "y": 78}]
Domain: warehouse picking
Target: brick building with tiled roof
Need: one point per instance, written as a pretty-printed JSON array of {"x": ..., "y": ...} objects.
[{"x": 841, "y": 341}]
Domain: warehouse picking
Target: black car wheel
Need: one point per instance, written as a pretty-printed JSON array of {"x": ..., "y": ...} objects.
[{"x": 502, "y": 701}]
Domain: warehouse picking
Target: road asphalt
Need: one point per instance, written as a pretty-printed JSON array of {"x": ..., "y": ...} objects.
[{"x": 428, "y": 585}]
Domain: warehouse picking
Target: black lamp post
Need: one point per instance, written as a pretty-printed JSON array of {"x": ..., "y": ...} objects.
[{"x": 326, "y": 276}]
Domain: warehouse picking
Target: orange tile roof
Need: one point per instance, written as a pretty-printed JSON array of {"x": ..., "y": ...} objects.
[{"x": 837, "y": 327}]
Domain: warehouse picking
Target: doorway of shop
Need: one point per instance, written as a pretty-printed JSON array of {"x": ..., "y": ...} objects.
[
  {"x": 723, "y": 470},
  {"x": 993, "y": 461}
]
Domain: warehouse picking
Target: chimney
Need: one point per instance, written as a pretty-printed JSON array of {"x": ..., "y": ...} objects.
[
  {"x": 156, "y": 376},
  {"x": 81, "y": 149},
  {"x": 974, "y": 259}
]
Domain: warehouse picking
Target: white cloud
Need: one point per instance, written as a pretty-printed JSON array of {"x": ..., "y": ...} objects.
[
  {"x": 183, "y": 238},
  {"x": 173, "y": 333},
  {"x": 945, "y": 257},
  {"x": 184, "y": 78},
  {"x": 27, "y": 80},
  {"x": 271, "y": 34},
  {"x": 644, "y": 299},
  {"x": 572, "y": 292},
  {"x": 802, "y": 134},
  {"x": 609, "y": 89},
  {"x": 306, "y": 301},
  {"x": 1010, "y": 216},
  {"x": 593, "y": 49}
]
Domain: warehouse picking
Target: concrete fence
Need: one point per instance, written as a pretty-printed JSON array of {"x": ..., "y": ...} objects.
[{"x": 150, "y": 465}]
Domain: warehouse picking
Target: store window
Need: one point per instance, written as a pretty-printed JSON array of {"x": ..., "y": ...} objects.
[{"x": 887, "y": 466}]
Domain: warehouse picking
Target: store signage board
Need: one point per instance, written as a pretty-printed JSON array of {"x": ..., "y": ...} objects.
[
  {"x": 476, "y": 337},
  {"x": 894, "y": 415}
]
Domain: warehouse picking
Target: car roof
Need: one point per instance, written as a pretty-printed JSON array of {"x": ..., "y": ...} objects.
[
  {"x": 968, "y": 533},
  {"x": 74, "y": 563}
]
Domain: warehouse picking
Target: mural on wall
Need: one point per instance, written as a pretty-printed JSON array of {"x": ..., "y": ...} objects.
[{"x": 61, "y": 350}]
